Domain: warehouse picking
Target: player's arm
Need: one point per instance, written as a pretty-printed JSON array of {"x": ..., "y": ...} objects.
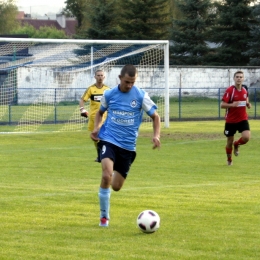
[
  {"x": 97, "y": 125},
  {"x": 81, "y": 102},
  {"x": 228, "y": 105},
  {"x": 156, "y": 130},
  {"x": 150, "y": 108},
  {"x": 83, "y": 111},
  {"x": 84, "y": 98},
  {"x": 248, "y": 104}
]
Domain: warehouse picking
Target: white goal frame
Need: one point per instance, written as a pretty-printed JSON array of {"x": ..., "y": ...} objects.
[{"x": 36, "y": 60}]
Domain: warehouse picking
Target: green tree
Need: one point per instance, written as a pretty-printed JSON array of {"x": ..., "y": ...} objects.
[
  {"x": 8, "y": 13},
  {"x": 232, "y": 32},
  {"x": 189, "y": 33},
  {"x": 144, "y": 19},
  {"x": 50, "y": 32},
  {"x": 44, "y": 32},
  {"x": 26, "y": 30},
  {"x": 253, "y": 45},
  {"x": 174, "y": 10},
  {"x": 103, "y": 20},
  {"x": 75, "y": 8}
]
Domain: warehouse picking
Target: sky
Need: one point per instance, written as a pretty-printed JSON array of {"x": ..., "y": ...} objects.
[{"x": 40, "y": 6}]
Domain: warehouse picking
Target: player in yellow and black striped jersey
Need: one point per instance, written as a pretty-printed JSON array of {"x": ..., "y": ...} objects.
[{"x": 93, "y": 93}]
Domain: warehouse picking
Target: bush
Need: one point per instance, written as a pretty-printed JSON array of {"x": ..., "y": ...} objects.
[{"x": 44, "y": 32}]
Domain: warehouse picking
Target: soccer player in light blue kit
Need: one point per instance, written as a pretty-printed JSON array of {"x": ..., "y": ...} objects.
[{"x": 125, "y": 105}]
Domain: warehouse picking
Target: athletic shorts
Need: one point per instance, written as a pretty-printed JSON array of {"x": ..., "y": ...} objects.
[
  {"x": 122, "y": 158},
  {"x": 232, "y": 128}
]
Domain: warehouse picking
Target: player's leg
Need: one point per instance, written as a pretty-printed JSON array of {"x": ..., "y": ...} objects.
[
  {"x": 107, "y": 162},
  {"x": 104, "y": 191},
  {"x": 117, "y": 181},
  {"x": 229, "y": 144},
  {"x": 121, "y": 167},
  {"x": 109, "y": 177},
  {"x": 245, "y": 136},
  {"x": 244, "y": 129},
  {"x": 229, "y": 132}
]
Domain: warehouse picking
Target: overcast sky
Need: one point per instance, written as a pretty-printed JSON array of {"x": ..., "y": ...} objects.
[
  {"x": 40, "y": 2},
  {"x": 40, "y": 6}
]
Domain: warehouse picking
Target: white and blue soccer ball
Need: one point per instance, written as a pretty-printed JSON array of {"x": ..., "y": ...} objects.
[{"x": 148, "y": 221}]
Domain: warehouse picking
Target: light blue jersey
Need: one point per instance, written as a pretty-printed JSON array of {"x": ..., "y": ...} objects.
[{"x": 125, "y": 111}]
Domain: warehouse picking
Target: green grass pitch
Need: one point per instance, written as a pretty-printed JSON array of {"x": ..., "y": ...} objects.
[{"x": 49, "y": 203}]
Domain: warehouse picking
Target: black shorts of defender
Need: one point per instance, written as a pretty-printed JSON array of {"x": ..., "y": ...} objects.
[
  {"x": 232, "y": 128},
  {"x": 122, "y": 158}
]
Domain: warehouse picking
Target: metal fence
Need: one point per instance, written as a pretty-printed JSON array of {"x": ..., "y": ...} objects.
[
  {"x": 204, "y": 104},
  {"x": 185, "y": 104}
]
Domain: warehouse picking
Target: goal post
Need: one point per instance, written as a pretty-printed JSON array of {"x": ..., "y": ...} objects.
[{"x": 42, "y": 80}]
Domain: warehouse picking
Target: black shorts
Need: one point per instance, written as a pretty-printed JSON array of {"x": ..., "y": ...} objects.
[
  {"x": 122, "y": 158},
  {"x": 232, "y": 128}
]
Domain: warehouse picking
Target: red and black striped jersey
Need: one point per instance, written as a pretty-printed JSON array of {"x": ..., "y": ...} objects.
[{"x": 236, "y": 114}]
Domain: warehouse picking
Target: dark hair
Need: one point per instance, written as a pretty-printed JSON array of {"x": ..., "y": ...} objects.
[
  {"x": 238, "y": 72},
  {"x": 129, "y": 69}
]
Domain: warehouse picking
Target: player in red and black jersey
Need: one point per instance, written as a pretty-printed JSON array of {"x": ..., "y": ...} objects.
[{"x": 235, "y": 100}]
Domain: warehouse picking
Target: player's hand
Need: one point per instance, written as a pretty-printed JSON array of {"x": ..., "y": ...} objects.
[
  {"x": 156, "y": 143},
  {"x": 94, "y": 136},
  {"x": 248, "y": 105},
  {"x": 83, "y": 112}
]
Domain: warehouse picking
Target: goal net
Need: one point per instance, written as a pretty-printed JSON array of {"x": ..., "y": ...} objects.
[{"x": 42, "y": 81}]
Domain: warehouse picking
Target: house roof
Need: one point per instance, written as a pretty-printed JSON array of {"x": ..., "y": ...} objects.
[
  {"x": 20, "y": 15},
  {"x": 70, "y": 28}
]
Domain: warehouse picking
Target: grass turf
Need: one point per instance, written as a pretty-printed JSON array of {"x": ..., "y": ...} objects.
[{"x": 49, "y": 203}]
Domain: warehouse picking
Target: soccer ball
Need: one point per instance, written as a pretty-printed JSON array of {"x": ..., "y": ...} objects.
[{"x": 148, "y": 221}]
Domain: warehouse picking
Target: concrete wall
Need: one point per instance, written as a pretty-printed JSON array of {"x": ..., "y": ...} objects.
[
  {"x": 215, "y": 77},
  {"x": 38, "y": 85}
]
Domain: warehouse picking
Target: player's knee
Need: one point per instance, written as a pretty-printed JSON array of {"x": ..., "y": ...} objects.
[
  {"x": 246, "y": 139},
  {"x": 116, "y": 187},
  {"x": 106, "y": 179}
]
